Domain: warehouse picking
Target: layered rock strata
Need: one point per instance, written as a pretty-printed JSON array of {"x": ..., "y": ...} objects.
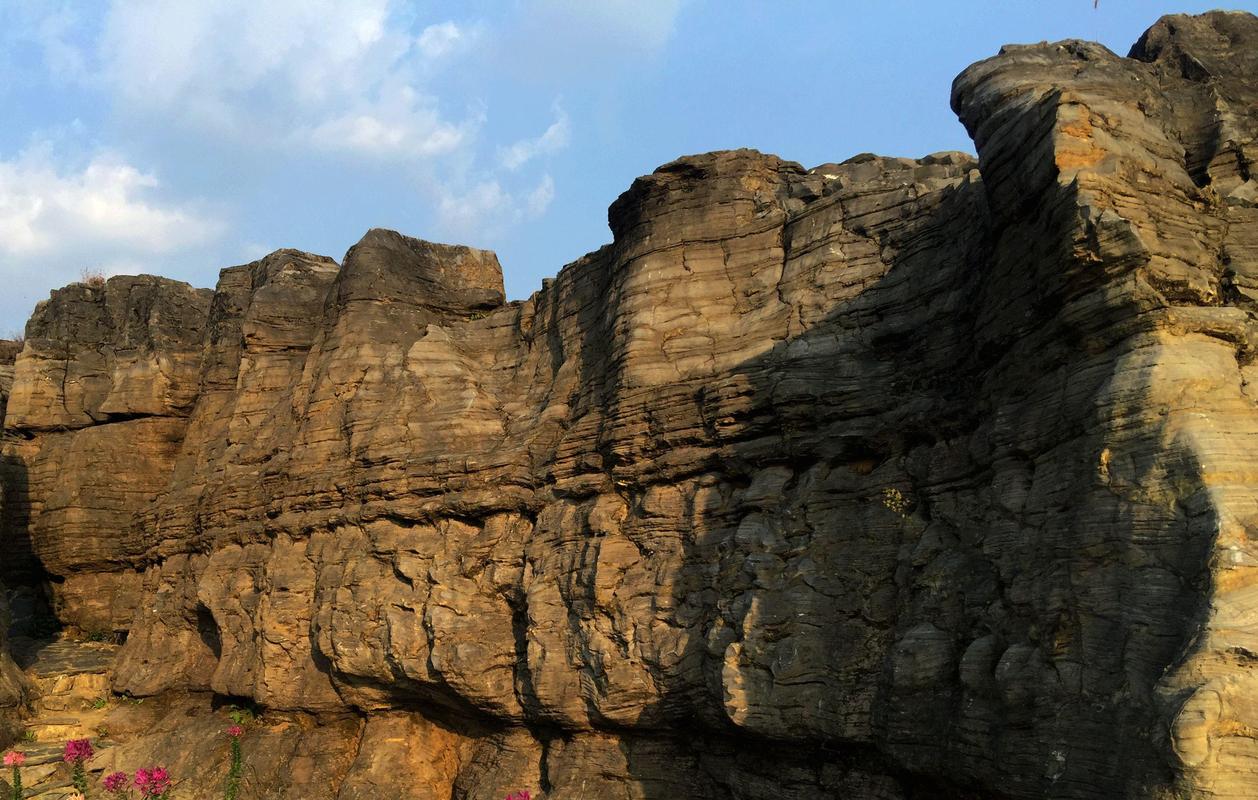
[
  {"x": 100, "y": 400},
  {"x": 12, "y": 685},
  {"x": 885, "y": 479},
  {"x": 8, "y": 354}
]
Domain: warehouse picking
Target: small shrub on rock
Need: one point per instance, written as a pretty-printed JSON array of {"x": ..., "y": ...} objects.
[{"x": 93, "y": 278}]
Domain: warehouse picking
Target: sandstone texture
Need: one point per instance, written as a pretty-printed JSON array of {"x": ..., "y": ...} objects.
[
  {"x": 12, "y": 685},
  {"x": 8, "y": 354},
  {"x": 892, "y": 478},
  {"x": 13, "y": 689}
]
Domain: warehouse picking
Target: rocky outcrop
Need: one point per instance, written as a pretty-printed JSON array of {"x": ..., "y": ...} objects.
[
  {"x": 889, "y": 479},
  {"x": 1138, "y": 613},
  {"x": 12, "y": 686},
  {"x": 8, "y": 354},
  {"x": 100, "y": 400}
]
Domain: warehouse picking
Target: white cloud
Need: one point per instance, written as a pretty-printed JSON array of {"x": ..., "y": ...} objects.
[
  {"x": 554, "y": 138},
  {"x": 539, "y": 199},
  {"x": 104, "y": 215},
  {"x": 333, "y": 75},
  {"x": 465, "y": 211},
  {"x": 404, "y": 124},
  {"x": 106, "y": 205},
  {"x": 438, "y": 41},
  {"x": 328, "y": 81},
  {"x": 486, "y": 209}
]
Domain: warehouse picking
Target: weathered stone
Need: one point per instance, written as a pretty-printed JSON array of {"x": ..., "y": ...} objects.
[
  {"x": 8, "y": 354},
  {"x": 100, "y": 398},
  {"x": 890, "y": 478},
  {"x": 13, "y": 685}
]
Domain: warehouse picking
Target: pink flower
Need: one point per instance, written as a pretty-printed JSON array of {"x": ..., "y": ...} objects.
[
  {"x": 520, "y": 795},
  {"x": 78, "y": 751},
  {"x": 235, "y": 731},
  {"x": 161, "y": 781},
  {"x": 152, "y": 782},
  {"x": 14, "y": 758},
  {"x": 116, "y": 782}
]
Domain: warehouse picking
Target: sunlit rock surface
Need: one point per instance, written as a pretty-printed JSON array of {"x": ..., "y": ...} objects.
[{"x": 888, "y": 479}]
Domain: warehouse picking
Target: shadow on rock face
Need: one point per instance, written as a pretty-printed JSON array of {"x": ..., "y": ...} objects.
[
  {"x": 915, "y": 557},
  {"x": 789, "y": 571},
  {"x": 19, "y": 565}
]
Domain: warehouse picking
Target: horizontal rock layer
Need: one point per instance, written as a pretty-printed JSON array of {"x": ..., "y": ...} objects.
[
  {"x": 12, "y": 685},
  {"x": 891, "y": 478}
]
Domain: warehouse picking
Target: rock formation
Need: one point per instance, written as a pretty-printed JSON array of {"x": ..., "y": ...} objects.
[
  {"x": 8, "y": 354},
  {"x": 12, "y": 688},
  {"x": 886, "y": 479}
]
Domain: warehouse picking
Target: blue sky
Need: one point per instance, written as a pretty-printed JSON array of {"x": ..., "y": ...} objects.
[{"x": 179, "y": 138}]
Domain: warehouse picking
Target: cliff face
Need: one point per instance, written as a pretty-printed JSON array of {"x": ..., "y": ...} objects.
[
  {"x": 12, "y": 689},
  {"x": 891, "y": 478}
]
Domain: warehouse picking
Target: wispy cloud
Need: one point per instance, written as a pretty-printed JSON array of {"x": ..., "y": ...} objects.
[
  {"x": 440, "y": 40},
  {"x": 539, "y": 199},
  {"x": 552, "y": 140},
  {"x": 378, "y": 90},
  {"x": 486, "y": 209},
  {"x": 400, "y": 124}
]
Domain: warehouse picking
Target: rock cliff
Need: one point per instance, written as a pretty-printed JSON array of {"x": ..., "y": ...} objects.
[
  {"x": 12, "y": 688},
  {"x": 891, "y": 478}
]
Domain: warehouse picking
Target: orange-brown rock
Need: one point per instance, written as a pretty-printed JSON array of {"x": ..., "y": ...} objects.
[
  {"x": 891, "y": 478},
  {"x": 12, "y": 686},
  {"x": 8, "y": 354},
  {"x": 100, "y": 399}
]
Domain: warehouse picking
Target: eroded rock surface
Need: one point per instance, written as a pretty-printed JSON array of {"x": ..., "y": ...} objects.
[
  {"x": 8, "y": 354},
  {"x": 891, "y": 478},
  {"x": 13, "y": 689},
  {"x": 12, "y": 685},
  {"x": 100, "y": 400}
]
